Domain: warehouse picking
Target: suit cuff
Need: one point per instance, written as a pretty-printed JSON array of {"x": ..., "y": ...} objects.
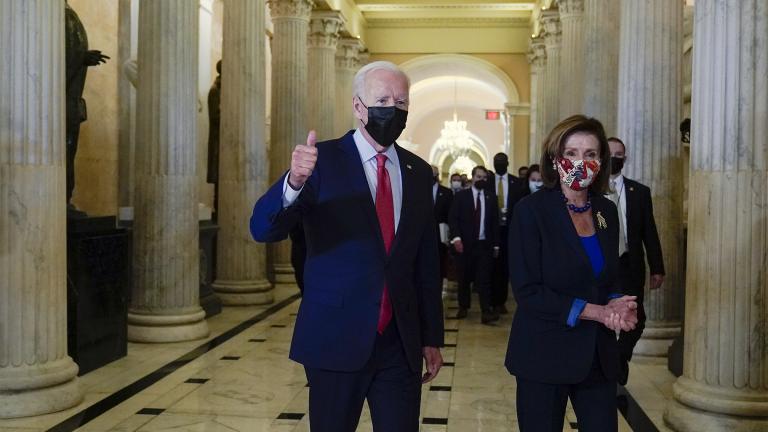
[
  {"x": 289, "y": 193},
  {"x": 577, "y": 307}
]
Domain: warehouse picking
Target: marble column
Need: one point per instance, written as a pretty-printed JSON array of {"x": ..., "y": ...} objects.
[
  {"x": 289, "y": 103},
  {"x": 601, "y": 61},
  {"x": 241, "y": 271},
  {"x": 571, "y": 57},
  {"x": 36, "y": 374},
  {"x": 650, "y": 90},
  {"x": 347, "y": 63},
  {"x": 165, "y": 305},
  {"x": 724, "y": 386},
  {"x": 537, "y": 57},
  {"x": 550, "y": 19},
  {"x": 324, "y": 30}
]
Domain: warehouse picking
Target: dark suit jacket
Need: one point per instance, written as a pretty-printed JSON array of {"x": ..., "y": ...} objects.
[
  {"x": 347, "y": 265},
  {"x": 462, "y": 218},
  {"x": 443, "y": 204},
  {"x": 549, "y": 268},
  {"x": 643, "y": 238}
]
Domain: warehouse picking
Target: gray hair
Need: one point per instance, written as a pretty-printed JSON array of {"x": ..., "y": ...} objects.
[{"x": 359, "y": 82}]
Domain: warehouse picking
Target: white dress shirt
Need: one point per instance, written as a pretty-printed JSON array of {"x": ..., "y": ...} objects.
[
  {"x": 434, "y": 193},
  {"x": 368, "y": 159},
  {"x": 475, "y": 194},
  {"x": 618, "y": 184}
]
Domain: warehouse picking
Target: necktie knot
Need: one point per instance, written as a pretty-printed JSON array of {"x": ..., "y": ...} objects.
[{"x": 381, "y": 159}]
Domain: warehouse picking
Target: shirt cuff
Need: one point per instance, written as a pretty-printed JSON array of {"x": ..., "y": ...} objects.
[
  {"x": 455, "y": 239},
  {"x": 289, "y": 193},
  {"x": 576, "y": 309},
  {"x": 614, "y": 296}
]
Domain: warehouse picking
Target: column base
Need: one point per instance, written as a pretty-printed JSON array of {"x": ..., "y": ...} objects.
[
  {"x": 656, "y": 340},
  {"x": 39, "y": 389},
  {"x": 284, "y": 274},
  {"x": 244, "y": 293},
  {"x": 166, "y": 328},
  {"x": 683, "y": 418}
]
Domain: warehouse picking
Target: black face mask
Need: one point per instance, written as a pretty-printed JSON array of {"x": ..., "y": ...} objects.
[
  {"x": 500, "y": 167},
  {"x": 481, "y": 184},
  {"x": 617, "y": 164},
  {"x": 385, "y": 124}
]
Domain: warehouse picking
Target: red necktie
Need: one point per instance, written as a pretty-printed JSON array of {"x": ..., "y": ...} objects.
[{"x": 385, "y": 210}]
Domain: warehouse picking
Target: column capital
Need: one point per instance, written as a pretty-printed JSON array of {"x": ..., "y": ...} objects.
[
  {"x": 296, "y": 9},
  {"x": 324, "y": 27},
  {"x": 348, "y": 53},
  {"x": 550, "y": 20},
  {"x": 537, "y": 52},
  {"x": 517, "y": 109},
  {"x": 570, "y": 8}
]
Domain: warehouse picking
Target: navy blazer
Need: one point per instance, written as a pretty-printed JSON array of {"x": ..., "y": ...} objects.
[
  {"x": 347, "y": 265},
  {"x": 549, "y": 268},
  {"x": 461, "y": 219}
]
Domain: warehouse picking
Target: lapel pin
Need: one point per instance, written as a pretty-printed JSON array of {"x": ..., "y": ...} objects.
[
  {"x": 409, "y": 167},
  {"x": 631, "y": 189},
  {"x": 601, "y": 221}
]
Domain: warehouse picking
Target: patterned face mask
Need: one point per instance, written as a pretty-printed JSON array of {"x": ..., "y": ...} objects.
[{"x": 577, "y": 174}]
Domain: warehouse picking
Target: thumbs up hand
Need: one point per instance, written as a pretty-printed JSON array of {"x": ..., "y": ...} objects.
[{"x": 303, "y": 162}]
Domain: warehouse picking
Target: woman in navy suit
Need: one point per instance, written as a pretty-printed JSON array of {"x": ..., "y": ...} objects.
[{"x": 563, "y": 247}]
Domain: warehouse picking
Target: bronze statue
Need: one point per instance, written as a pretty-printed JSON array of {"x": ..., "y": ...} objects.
[
  {"x": 214, "y": 117},
  {"x": 78, "y": 60}
]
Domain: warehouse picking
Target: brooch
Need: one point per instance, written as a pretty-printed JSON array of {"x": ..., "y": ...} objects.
[{"x": 601, "y": 221}]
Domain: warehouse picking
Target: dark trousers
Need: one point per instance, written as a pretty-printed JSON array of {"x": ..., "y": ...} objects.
[
  {"x": 392, "y": 389},
  {"x": 541, "y": 406},
  {"x": 476, "y": 265},
  {"x": 500, "y": 283},
  {"x": 634, "y": 286}
]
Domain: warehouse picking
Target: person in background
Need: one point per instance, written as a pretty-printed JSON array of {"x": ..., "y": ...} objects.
[
  {"x": 534, "y": 181},
  {"x": 465, "y": 183},
  {"x": 442, "y": 198},
  {"x": 509, "y": 190},
  {"x": 638, "y": 240},
  {"x": 475, "y": 238},
  {"x": 522, "y": 172},
  {"x": 457, "y": 183},
  {"x": 564, "y": 267}
]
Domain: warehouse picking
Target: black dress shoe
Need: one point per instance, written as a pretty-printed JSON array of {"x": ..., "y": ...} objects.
[
  {"x": 489, "y": 317},
  {"x": 461, "y": 314},
  {"x": 501, "y": 310},
  {"x": 623, "y": 372}
]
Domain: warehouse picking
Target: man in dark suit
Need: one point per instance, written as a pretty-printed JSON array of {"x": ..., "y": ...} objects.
[
  {"x": 475, "y": 237},
  {"x": 509, "y": 190},
  {"x": 442, "y": 197},
  {"x": 372, "y": 304},
  {"x": 639, "y": 240}
]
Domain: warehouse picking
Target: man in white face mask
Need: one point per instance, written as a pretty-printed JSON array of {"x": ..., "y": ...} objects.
[{"x": 456, "y": 183}]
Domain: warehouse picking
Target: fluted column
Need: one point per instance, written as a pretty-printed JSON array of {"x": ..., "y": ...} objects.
[
  {"x": 165, "y": 305},
  {"x": 550, "y": 19},
  {"x": 571, "y": 57},
  {"x": 289, "y": 102},
  {"x": 601, "y": 61},
  {"x": 324, "y": 30},
  {"x": 241, "y": 271},
  {"x": 347, "y": 63},
  {"x": 650, "y": 90},
  {"x": 36, "y": 374},
  {"x": 537, "y": 57},
  {"x": 724, "y": 386}
]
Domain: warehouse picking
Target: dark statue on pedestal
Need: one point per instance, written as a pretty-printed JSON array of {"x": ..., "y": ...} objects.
[
  {"x": 78, "y": 60},
  {"x": 214, "y": 117}
]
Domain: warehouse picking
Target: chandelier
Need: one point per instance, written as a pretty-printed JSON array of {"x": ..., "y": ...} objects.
[{"x": 454, "y": 137}]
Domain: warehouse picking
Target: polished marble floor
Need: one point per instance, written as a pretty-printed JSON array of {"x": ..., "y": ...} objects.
[{"x": 240, "y": 379}]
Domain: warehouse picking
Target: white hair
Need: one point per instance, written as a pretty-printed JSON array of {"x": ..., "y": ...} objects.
[{"x": 359, "y": 82}]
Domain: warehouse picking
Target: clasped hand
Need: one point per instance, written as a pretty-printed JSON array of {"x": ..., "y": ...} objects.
[{"x": 620, "y": 313}]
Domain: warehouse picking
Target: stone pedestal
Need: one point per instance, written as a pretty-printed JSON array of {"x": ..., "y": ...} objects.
[
  {"x": 537, "y": 58},
  {"x": 241, "y": 265},
  {"x": 550, "y": 19},
  {"x": 650, "y": 90},
  {"x": 165, "y": 303},
  {"x": 36, "y": 374},
  {"x": 323, "y": 38},
  {"x": 601, "y": 61},
  {"x": 289, "y": 103},
  {"x": 724, "y": 386},
  {"x": 571, "y": 57},
  {"x": 348, "y": 53}
]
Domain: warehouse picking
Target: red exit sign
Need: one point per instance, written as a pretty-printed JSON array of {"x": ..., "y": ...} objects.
[{"x": 492, "y": 115}]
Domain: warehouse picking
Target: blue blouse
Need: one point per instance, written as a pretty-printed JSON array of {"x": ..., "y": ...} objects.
[{"x": 597, "y": 260}]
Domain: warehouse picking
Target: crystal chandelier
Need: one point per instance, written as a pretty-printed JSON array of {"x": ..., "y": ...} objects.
[{"x": 454, "y": 137}]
